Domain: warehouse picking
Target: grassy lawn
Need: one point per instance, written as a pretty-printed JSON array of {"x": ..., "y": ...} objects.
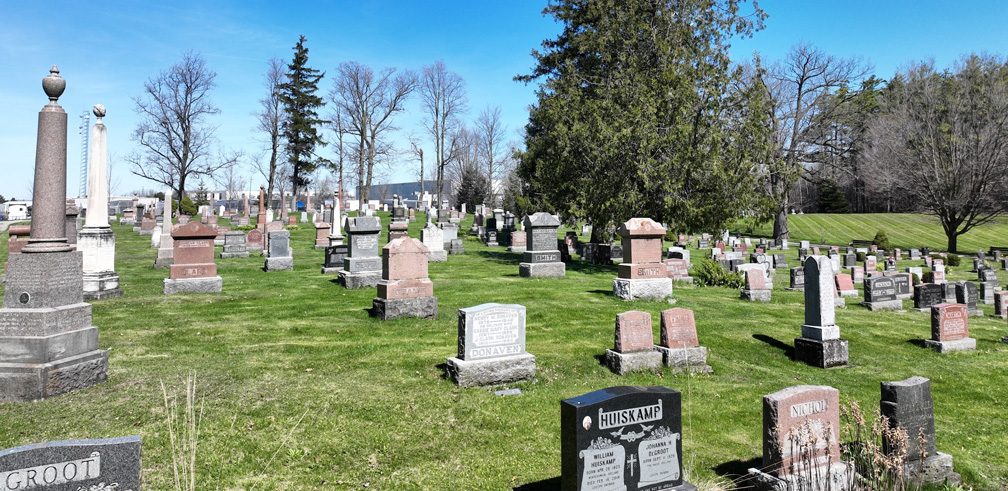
[
  {"x": 905, "y": 230},
  {"x": 301, "y": 389}
]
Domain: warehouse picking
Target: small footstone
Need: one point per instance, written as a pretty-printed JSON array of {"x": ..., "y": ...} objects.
[{"x": 193, "y": 285}]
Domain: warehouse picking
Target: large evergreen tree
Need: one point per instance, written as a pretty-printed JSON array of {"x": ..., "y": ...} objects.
[
  {"x": 302, "y": 121},
  {"x": 640, "y": 113}
]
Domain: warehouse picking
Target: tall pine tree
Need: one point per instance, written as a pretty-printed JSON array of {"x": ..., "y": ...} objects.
[{"x": 302, "y": 120}]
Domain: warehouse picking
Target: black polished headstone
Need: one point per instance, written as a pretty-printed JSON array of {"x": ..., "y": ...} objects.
[
  {"x": 622, "y": 438},
  {"x": 908, "y": 404}
]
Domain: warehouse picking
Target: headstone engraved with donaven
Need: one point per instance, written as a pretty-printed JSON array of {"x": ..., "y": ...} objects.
[{"x": 622, "y": 439}]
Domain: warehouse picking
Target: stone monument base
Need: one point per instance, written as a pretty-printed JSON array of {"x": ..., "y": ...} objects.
[
  {"x": 326, "y": 270},
  {"x": 101, "y": 285},
  {"x": 285, "y": 263},
  {"x": 193, "y": 285},
  {"x": 542, "y": 270},
  {"x": 495, "y": 371},
  {"x": 886, "y": 305},
  {"x": 395, "y": 308},
  {"x": 437, "y": 256},
  {"x": 516, "y": 249},
  {"x": 839, "y": 302},
  {"x": 361, "y": 279},
  {"x": 836, "y": 479},
  {"x": 225, "y": 255},
  {"x": 936, "y": 469},
  {"x": 847, "y": 293},
  {"x": 692, "y": 359},
  {"x": 146, "y": 232},
  {"x": 968, "y": 344},
  {"x": 164, "y": 262},
  {"x": 827, "y": 353},
  {"x": 624, "y": 363},
  {"x": 456, "y": 248},
  {"x": 756, "y": 295},
  {"x": 975, "y": 312},
  {"x": 798, "y": 289},
  {"x": 32, "y": 382},
  {"x": 646, "y": 288}
]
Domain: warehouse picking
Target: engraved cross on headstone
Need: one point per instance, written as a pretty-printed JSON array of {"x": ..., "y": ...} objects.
[{"x": 630, "y": 463}]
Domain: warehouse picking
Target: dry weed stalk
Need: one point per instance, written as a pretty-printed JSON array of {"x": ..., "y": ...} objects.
[{"x": 183, "y": 434}]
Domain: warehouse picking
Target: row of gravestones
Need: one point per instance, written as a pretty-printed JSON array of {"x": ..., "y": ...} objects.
[{"x": 618, "y": 438}]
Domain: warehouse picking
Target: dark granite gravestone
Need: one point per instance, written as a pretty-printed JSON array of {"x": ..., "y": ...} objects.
[
  {"x": 797, "y": 279},
  {"x": 622, "y": 438},
  {"x": 779, "y": 261},
  {"x": 849, "y": 259},
  {"x": 279, "y": 258},
  {"x": 334, "y": 256},
  {"x": 967, "y": 293},
  {"x": 908, "y": 405},
  {"x": 927, "y": 295},
  {"x": 362, "y": 266},
  {"x": 880, "y": 294},
  {"x": 491, "y": 346},
  {"x": 541, "y": 258},
  {"x": 73, "y": 465}
]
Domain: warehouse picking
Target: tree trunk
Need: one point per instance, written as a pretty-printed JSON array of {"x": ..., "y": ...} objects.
[
  {"x": 780, "y": 226},
  {"x": 953, "y": 237}
]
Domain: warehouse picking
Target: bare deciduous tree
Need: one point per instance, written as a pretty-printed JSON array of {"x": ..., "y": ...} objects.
[
  {"x": 443, "y": 97},
  {"x": 269, "y": 121},
  {"x": 173, "y": 130},
  {"x": 491, "y": 130},
  {"x": 796, "y": 85},
  {"x": 229, "y": 176},
  {"x": 369, "y": 100},
  {"x": 947, "y": 134}
]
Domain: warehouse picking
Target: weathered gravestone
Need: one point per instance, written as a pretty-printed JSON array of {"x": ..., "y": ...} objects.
[
  {"x": 362, "y": 267},
  {"x": 678, "y": 253},
  {"x": 820, "y": 344},
  {"x": 927, "y": 295},
  {"x": 234, "y": 245},
  {"x": 73, "y": 465},
  {"x": 950, "y": 329},
  {"x": 880, "y": 294},
  {"x": 779, "y": 261},
  {"x": 518, "y": 241},
  {"x": 845, "y": 285},
  {"x": 801, "y": 445},
  {"x": 907, "y": 404},
  {"x": 622, "y": 439},
  {"x": 755, "y": 286},
  {"x": 797, "y": 282},
  {"x": 915, "y": 254},
  {"x": 1001, "y": 305},
  {"x": 850, "y": 259},
  {"x": 642, "y": 275},
  {"x": 433, "y": 238},
  {"x": 491, "y": 346},
  {"x": 254, "y": 240},
  {"x": 321, "y": 234},
  {"x": 96, "y": 241},
  {"x": 633, "y": 349},
  {"x": 870, "y": 264},
  {"x": 193, "y": 268},
  {"x": 279, "y": 256},
  {"x": 541, "y": 258},
  {"x": 404, "y": 290},
  {"x": 399, "y": 228},
  {"x": 678, "y": 342},
  {"x": 678, "y": 270},
  {"x": 967, "y": 294},
  {"x": 47, "y": 343},
  {"x": 936, "y": 275},
  {"x": 986, "y": 292},
  {"x": 916, "y": 271}
]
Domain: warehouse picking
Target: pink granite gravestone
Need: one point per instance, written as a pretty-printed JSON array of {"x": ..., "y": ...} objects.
[
  {"x": 193, "y": 268},
  {"x": 404, "y": 290}
]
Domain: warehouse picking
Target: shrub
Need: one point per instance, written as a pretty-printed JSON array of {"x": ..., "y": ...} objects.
[
  {"x": 860, "y": 256},
  {"x": 711, "y": 273},
  {"x": 187, "y": 208},
  {"x": 882, "y": 241}
]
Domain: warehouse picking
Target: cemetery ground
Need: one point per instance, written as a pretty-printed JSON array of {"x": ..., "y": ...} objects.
[
  {"x": 905, "y": 230},
  {"x": 300, "y": 388}
]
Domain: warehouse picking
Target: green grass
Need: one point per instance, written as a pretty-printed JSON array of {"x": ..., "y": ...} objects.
[
  {"x": 303, "y": 390},
  {"x": 905, "y": 230}
]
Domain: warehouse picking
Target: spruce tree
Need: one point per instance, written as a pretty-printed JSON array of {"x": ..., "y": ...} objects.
[{"x": 302, "y": 121}]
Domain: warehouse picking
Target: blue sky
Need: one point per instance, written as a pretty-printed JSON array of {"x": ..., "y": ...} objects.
[{"x": 106, "y": 50}]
